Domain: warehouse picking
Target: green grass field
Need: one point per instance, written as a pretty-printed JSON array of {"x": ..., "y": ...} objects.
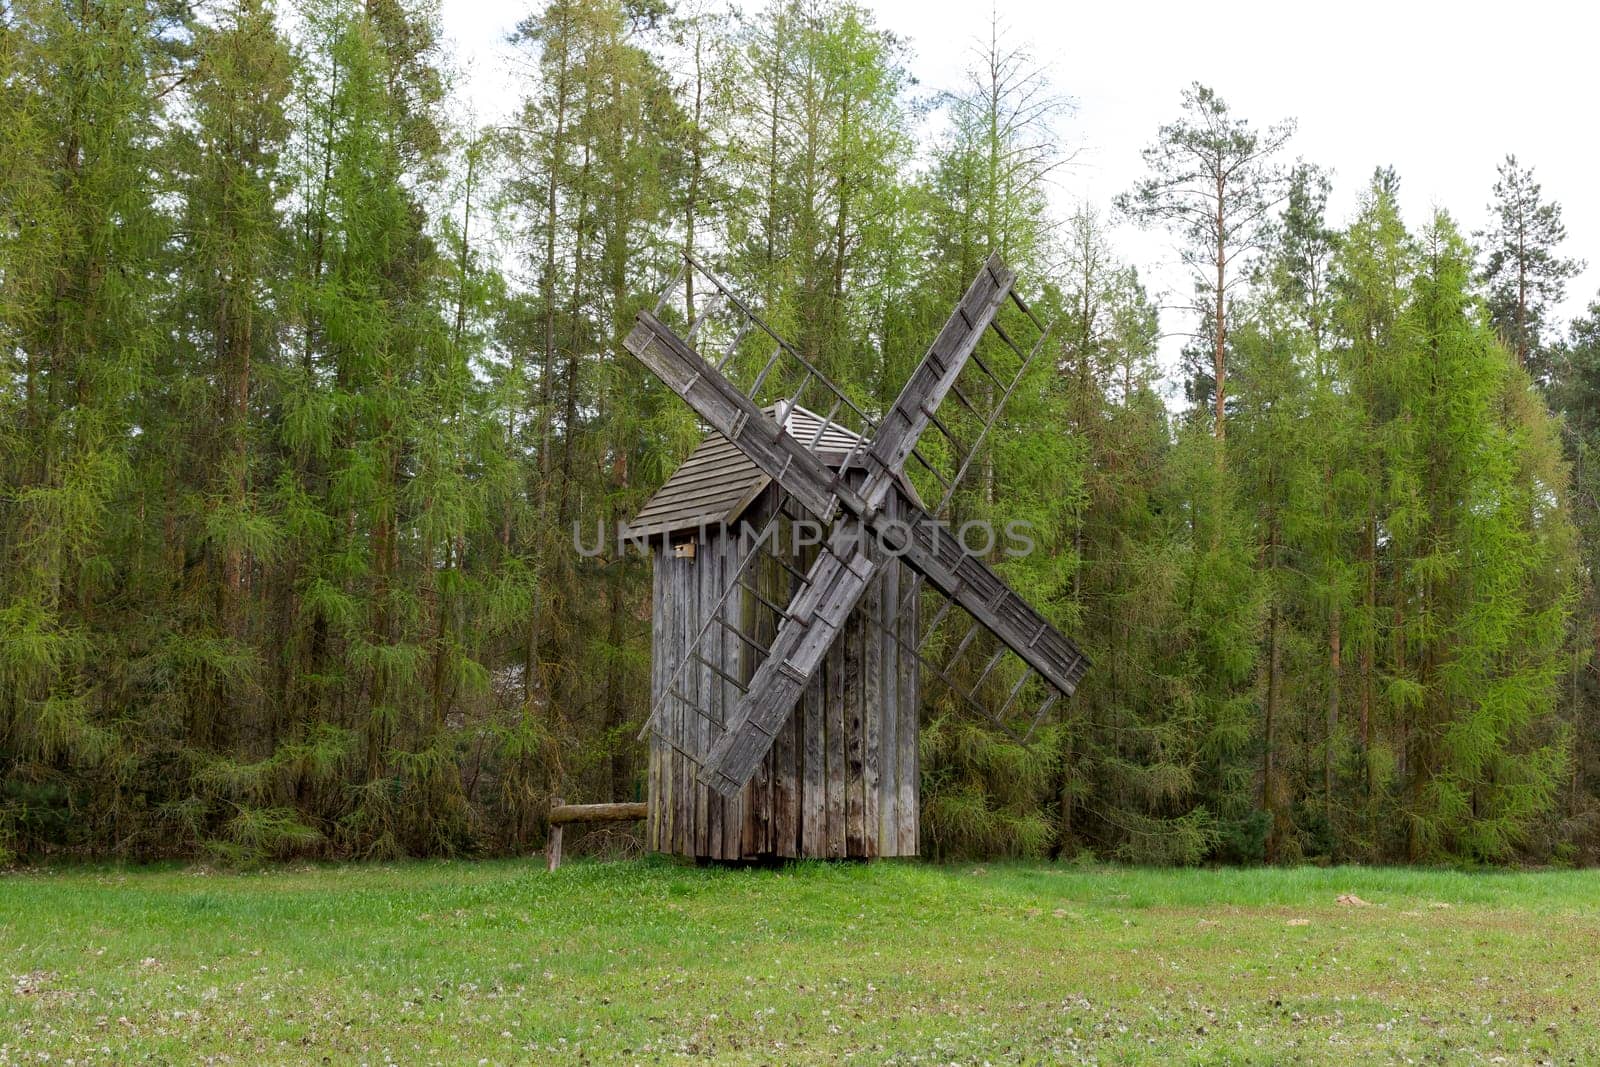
[{"x": 650, "y": 961}]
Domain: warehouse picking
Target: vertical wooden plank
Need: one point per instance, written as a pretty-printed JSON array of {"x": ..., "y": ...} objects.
[
  {"x": 872, "y": 711},
  {"x": 687, "y": 681},
  {"x": 854, "y": 734},
  {"x": 757, "y": 792},
  {"x": 732, "y": 555},
  {"x": 814, "y": 797},
  {"x": 834, "y": 743},
  {"x": 670, "y": 770},
  {"x": 813, "y": 761},
  {"x": 674, "y": 712},
  {"x": 711, "y": 562},
  {"x": 786, "y": 747},
  {"x": 908, "y": 769},
  {"x": 703, "y": 568},
  {"x": 770, "y": 574},
  {"x": 889, "y": 715},
  {"x": 785, "y": 789},
  {"x": 657, "y": 661}
]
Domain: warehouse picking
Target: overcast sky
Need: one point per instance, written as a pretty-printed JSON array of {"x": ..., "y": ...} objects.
[{"x": 1442, "y": 93}]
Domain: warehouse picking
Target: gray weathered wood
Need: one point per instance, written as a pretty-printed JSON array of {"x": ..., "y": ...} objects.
[
  {"x": 689, "y": 685},
  {"x": 562, "y": 813},
  {"x": 839, "y": 775},
  {"x": 907, "y": 769},
  {"x": 934, "y": 376},
  {"x": 658, "y": 668},
  {"x": 785, "y": 754},
  {"x": 834, "y": 743},
  {"x": 853, "y": 639},
  {"x": 552, "y": 847},
  {"x": 834, "y": 585},
  {"x": 704, "y": 570},
  {"x": 935, "y": 552},
  {"x": 716, "y": 563},
  {"x": 733, "y": 654},
  {"x": 813, "y": 790},
  {"x": 818, "y": 745},
  {"x": 734, "y": 415},
  {"x": 715, "y": 483},
  {"x": 872, "y": 641},
  {"x": 889, "y": 714}
]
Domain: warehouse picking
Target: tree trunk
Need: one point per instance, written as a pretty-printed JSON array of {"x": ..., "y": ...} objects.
[{"x": 1219, "y": 356}]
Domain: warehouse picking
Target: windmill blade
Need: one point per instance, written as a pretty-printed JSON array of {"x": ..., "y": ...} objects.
[
  {"x": 919, "y": 400},
  {"x": 930, "y": 549},
  {"x": 734, "y": 415},
  {"x": 833, "y": 586}
]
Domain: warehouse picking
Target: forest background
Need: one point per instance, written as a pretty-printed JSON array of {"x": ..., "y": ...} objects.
[{"x": 305, "y": 378}]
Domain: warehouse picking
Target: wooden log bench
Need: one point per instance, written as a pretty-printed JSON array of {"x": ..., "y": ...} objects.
[{"x": 562, "y": 813}]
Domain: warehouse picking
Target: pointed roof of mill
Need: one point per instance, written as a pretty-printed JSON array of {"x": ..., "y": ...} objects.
[{"x": 718, "y": 482}]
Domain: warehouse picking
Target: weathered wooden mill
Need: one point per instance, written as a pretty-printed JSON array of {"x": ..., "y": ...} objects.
[{"x": 805, "y": 594}]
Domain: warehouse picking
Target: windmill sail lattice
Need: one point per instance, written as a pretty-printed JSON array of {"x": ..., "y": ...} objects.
[{"x": 868, "y": 500}]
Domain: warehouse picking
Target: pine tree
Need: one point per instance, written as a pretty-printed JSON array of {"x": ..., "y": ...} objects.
[
  {"x": 1213, "y": 182},
  {"x": 1524, "y": 273}
]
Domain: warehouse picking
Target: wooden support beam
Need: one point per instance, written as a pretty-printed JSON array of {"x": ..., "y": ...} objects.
[{"x": 561, "y": 813}]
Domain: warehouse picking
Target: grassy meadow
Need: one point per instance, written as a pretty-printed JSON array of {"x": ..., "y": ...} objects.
[{"x": 649, "y": 962}]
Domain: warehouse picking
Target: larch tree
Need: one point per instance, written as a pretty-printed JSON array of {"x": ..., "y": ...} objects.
[
  {"x": 1126, "y": 777},
  {"x": 987, "y": 193},
  {"x": 207, "y": 468},
  {"x": 1299, "y": 278},
  {"x": 82, "y": 250},
  {"x": 1574, "y": 392},
  {"x": 1372, "y": 273},
  {"x": 1272, "y": 448},
  {"x": 1476, "y": 536}
]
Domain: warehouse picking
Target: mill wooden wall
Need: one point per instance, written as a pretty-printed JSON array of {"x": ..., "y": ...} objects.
[{"x": 841, "y": 779}]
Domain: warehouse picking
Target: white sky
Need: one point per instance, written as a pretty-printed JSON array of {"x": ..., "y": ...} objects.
[{"x": 1440, "y": 92}]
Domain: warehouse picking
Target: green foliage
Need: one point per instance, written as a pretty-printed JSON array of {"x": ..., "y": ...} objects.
[
  {"x": 1523, "y": 270},
  {"x": 304, "y": 385}
]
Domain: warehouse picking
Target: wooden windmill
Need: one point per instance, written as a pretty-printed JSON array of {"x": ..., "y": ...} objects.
[{"x": 787, "y": 677}]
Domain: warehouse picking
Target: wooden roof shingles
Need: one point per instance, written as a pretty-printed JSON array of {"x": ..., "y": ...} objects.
[{"x": 717, "y": 482}]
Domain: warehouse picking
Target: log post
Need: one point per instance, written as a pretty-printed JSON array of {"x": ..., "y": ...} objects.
[{"x": 552, "y": 848}]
